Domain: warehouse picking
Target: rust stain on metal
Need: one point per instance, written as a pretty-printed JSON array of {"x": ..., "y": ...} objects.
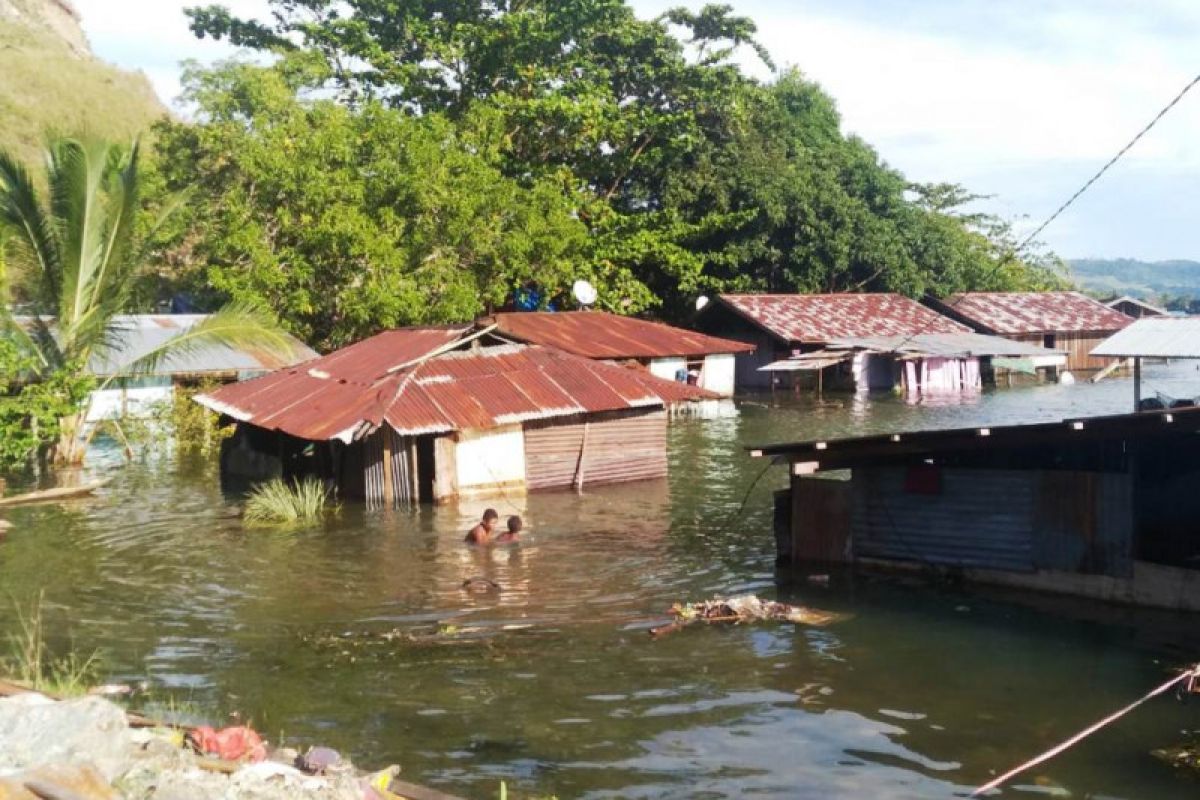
[
  {"x": 1036, "y": 312},
  {"x": 598, "y": 334},
  {"x": 819, "y": 318}
]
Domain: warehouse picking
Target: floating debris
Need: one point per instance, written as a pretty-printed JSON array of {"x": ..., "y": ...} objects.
[
  {"x": 1183, "y": 756},
  {"x": 479, "y": 585},
  {"x": 743, "y": 608}
]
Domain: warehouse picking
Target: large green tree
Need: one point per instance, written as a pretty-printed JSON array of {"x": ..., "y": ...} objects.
[
  {"x": 73, "y": 259},
  {"x": 349, "y": 220},
  {"x": 684, "y": 175}
]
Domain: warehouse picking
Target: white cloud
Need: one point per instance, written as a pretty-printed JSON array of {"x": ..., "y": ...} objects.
[{"x": 153, "y": 36}]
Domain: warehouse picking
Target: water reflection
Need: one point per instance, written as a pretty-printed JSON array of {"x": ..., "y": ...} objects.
[{"x": 361, "y": 636}]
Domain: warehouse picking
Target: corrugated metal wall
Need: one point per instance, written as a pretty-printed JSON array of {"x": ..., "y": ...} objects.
[
  {"x": 979, "y": 518},
  {"x": 1019, "y": 520},
  {"x": 607, "y": 448},
  {"x": 404, "y": 484},
  {"x": 372, "y": 455},
  {"x": 1084, "y": 523}
]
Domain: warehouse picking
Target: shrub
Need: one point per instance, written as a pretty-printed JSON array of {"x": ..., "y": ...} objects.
[{"x": 278, "y": 503}]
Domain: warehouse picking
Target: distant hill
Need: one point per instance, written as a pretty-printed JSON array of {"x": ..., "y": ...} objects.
[
  {"x": 49, "y": 80},
  {"x": 1145, "y": 279}
]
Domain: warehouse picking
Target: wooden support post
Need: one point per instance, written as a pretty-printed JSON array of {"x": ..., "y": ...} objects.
[
  {"x": 1137, "y": 384},
  {"x": 389, "y": 488},
  {"x": 582, "y": 457}
]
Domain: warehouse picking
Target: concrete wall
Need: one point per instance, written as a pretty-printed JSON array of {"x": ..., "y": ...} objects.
[
  {"x": 135, "y": 402},
  {"x": 490, "y": 461},
  {"x": 719, "y": 374},
  {"x": 666, "y": 368}
]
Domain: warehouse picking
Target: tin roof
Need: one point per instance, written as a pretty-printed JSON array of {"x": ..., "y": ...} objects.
[
  {"x": 946, "y": 345},
  {"x": 139, "y": 334},
  {"x": 355, "y": 390},
  {"x": 1035, "y": 312},
  {"x": 851, "y": 451},
  {"x": 598, "y": 334},
  {"x": 1154, "y": 337},
  {"x": 819, "y": 318}
]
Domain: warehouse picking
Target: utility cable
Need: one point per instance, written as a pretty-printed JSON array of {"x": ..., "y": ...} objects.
[
  {"x": 1189, "y": 676},
  {"x": 1175, "y": 100}
]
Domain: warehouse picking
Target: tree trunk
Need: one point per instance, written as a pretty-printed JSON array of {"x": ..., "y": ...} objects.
[{"x": 71, "y": 447}]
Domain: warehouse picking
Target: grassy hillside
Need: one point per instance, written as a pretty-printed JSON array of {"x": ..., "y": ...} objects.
[
  {"x": 1145, "y": 279},
  {"x": 47, "y": 83}
]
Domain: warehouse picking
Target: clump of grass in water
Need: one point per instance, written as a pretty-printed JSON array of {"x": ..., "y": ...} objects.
[
  {"x": 278, "y": 503},
  {"x": 31, "y": 663}
]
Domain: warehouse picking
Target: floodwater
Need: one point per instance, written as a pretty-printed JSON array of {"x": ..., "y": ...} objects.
[{"x": 358, "y": 635}]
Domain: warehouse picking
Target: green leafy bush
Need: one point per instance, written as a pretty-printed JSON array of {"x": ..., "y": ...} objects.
[{"x": 280, "y": 503}]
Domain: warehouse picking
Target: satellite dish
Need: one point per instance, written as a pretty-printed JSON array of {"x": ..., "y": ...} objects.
[
  {"x": 701, "y": 302},
  {"x": 584, "y": 293}
]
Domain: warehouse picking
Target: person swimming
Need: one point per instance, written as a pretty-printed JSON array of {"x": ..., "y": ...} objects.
[
  {"x": 482, "y": 533},
  {"x": 513, "y": 534}
]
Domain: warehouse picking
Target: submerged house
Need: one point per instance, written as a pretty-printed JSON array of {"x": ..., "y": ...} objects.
[
  {"x": 666, "y": 351},
  {"x": 1101, "y": 507},
  {"x": 431, "y": 414},
  {"x": 1068, "y": 321},
  {"x": 130, "y": 395},
  {"x": 860, "y": 341}
]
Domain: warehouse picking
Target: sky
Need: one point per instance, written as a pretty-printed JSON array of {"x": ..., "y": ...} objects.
[{"x": 1022, "y": 100}]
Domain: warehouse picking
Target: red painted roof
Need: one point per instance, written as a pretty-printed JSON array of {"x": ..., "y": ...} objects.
[
  {"x": 820, "y": 318},
  {"x": 354, "y": 390},
  {"x": 1036, "y": 312},
  {"x": 598, "y": 334}
]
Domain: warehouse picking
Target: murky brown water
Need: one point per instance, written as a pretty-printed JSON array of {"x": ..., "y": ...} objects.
[{"x": 554, "y": 685}]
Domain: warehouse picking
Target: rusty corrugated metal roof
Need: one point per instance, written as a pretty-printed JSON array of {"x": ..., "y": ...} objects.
[
  {"x": 598, "y": 334},
  {"x": 819, "y": 318},
  {"x": 356, "y": 389},
  {"x": 1035, "y": 312}
]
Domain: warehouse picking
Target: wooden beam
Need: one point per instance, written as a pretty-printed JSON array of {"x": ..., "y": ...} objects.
[
  {"x": 389, "y": 487},
  {"x": 50, "y": 495}
]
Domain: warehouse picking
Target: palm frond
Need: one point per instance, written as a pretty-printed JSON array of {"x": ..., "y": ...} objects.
[
  {"x": 116, "y": 269},
  {"x": 94, "y": 200},
  {"x": 31, "y": 228},
  {"x": 236, "y": 326}
]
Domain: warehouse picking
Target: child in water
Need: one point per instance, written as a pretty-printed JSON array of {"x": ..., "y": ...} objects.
[
  {"x": 482, "y": 533},
  {"x": 513, "y": 534}
]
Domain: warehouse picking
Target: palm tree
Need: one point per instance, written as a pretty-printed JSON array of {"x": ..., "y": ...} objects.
[{"x": 77, "y": 257}]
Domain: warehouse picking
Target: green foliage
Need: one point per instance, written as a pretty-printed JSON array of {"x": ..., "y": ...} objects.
[
  {"x": 348, "y": 221},
  {"x": 31, "y": 409},
  {"x": 75, "y": 258},
  {"x": 279, "y": 503},
  {"x": 417, "y": 162},
  {"x": 30, "y": 662},
  {"x": 195, "y": 429},
  {"x": 1161, "y": 280}
]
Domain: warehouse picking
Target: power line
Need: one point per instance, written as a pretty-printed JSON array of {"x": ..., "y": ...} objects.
[{"x": 1111, "y": 161}]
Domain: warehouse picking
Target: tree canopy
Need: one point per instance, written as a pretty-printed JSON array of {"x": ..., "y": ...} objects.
[{"x": 425, "y": 160}]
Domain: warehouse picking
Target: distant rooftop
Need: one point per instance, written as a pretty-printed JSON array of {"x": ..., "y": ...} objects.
[
  {"x": 820, "y": 318},
  {"x": 1010, "y": 313},
  {"x": 598, "y": 334}
]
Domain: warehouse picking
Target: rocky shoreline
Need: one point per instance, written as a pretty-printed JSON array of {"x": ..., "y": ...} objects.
[{"x": 86, "y": 749}]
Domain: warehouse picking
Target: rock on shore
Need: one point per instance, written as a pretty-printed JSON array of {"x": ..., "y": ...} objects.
[{"x": 85, "y": 749}]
